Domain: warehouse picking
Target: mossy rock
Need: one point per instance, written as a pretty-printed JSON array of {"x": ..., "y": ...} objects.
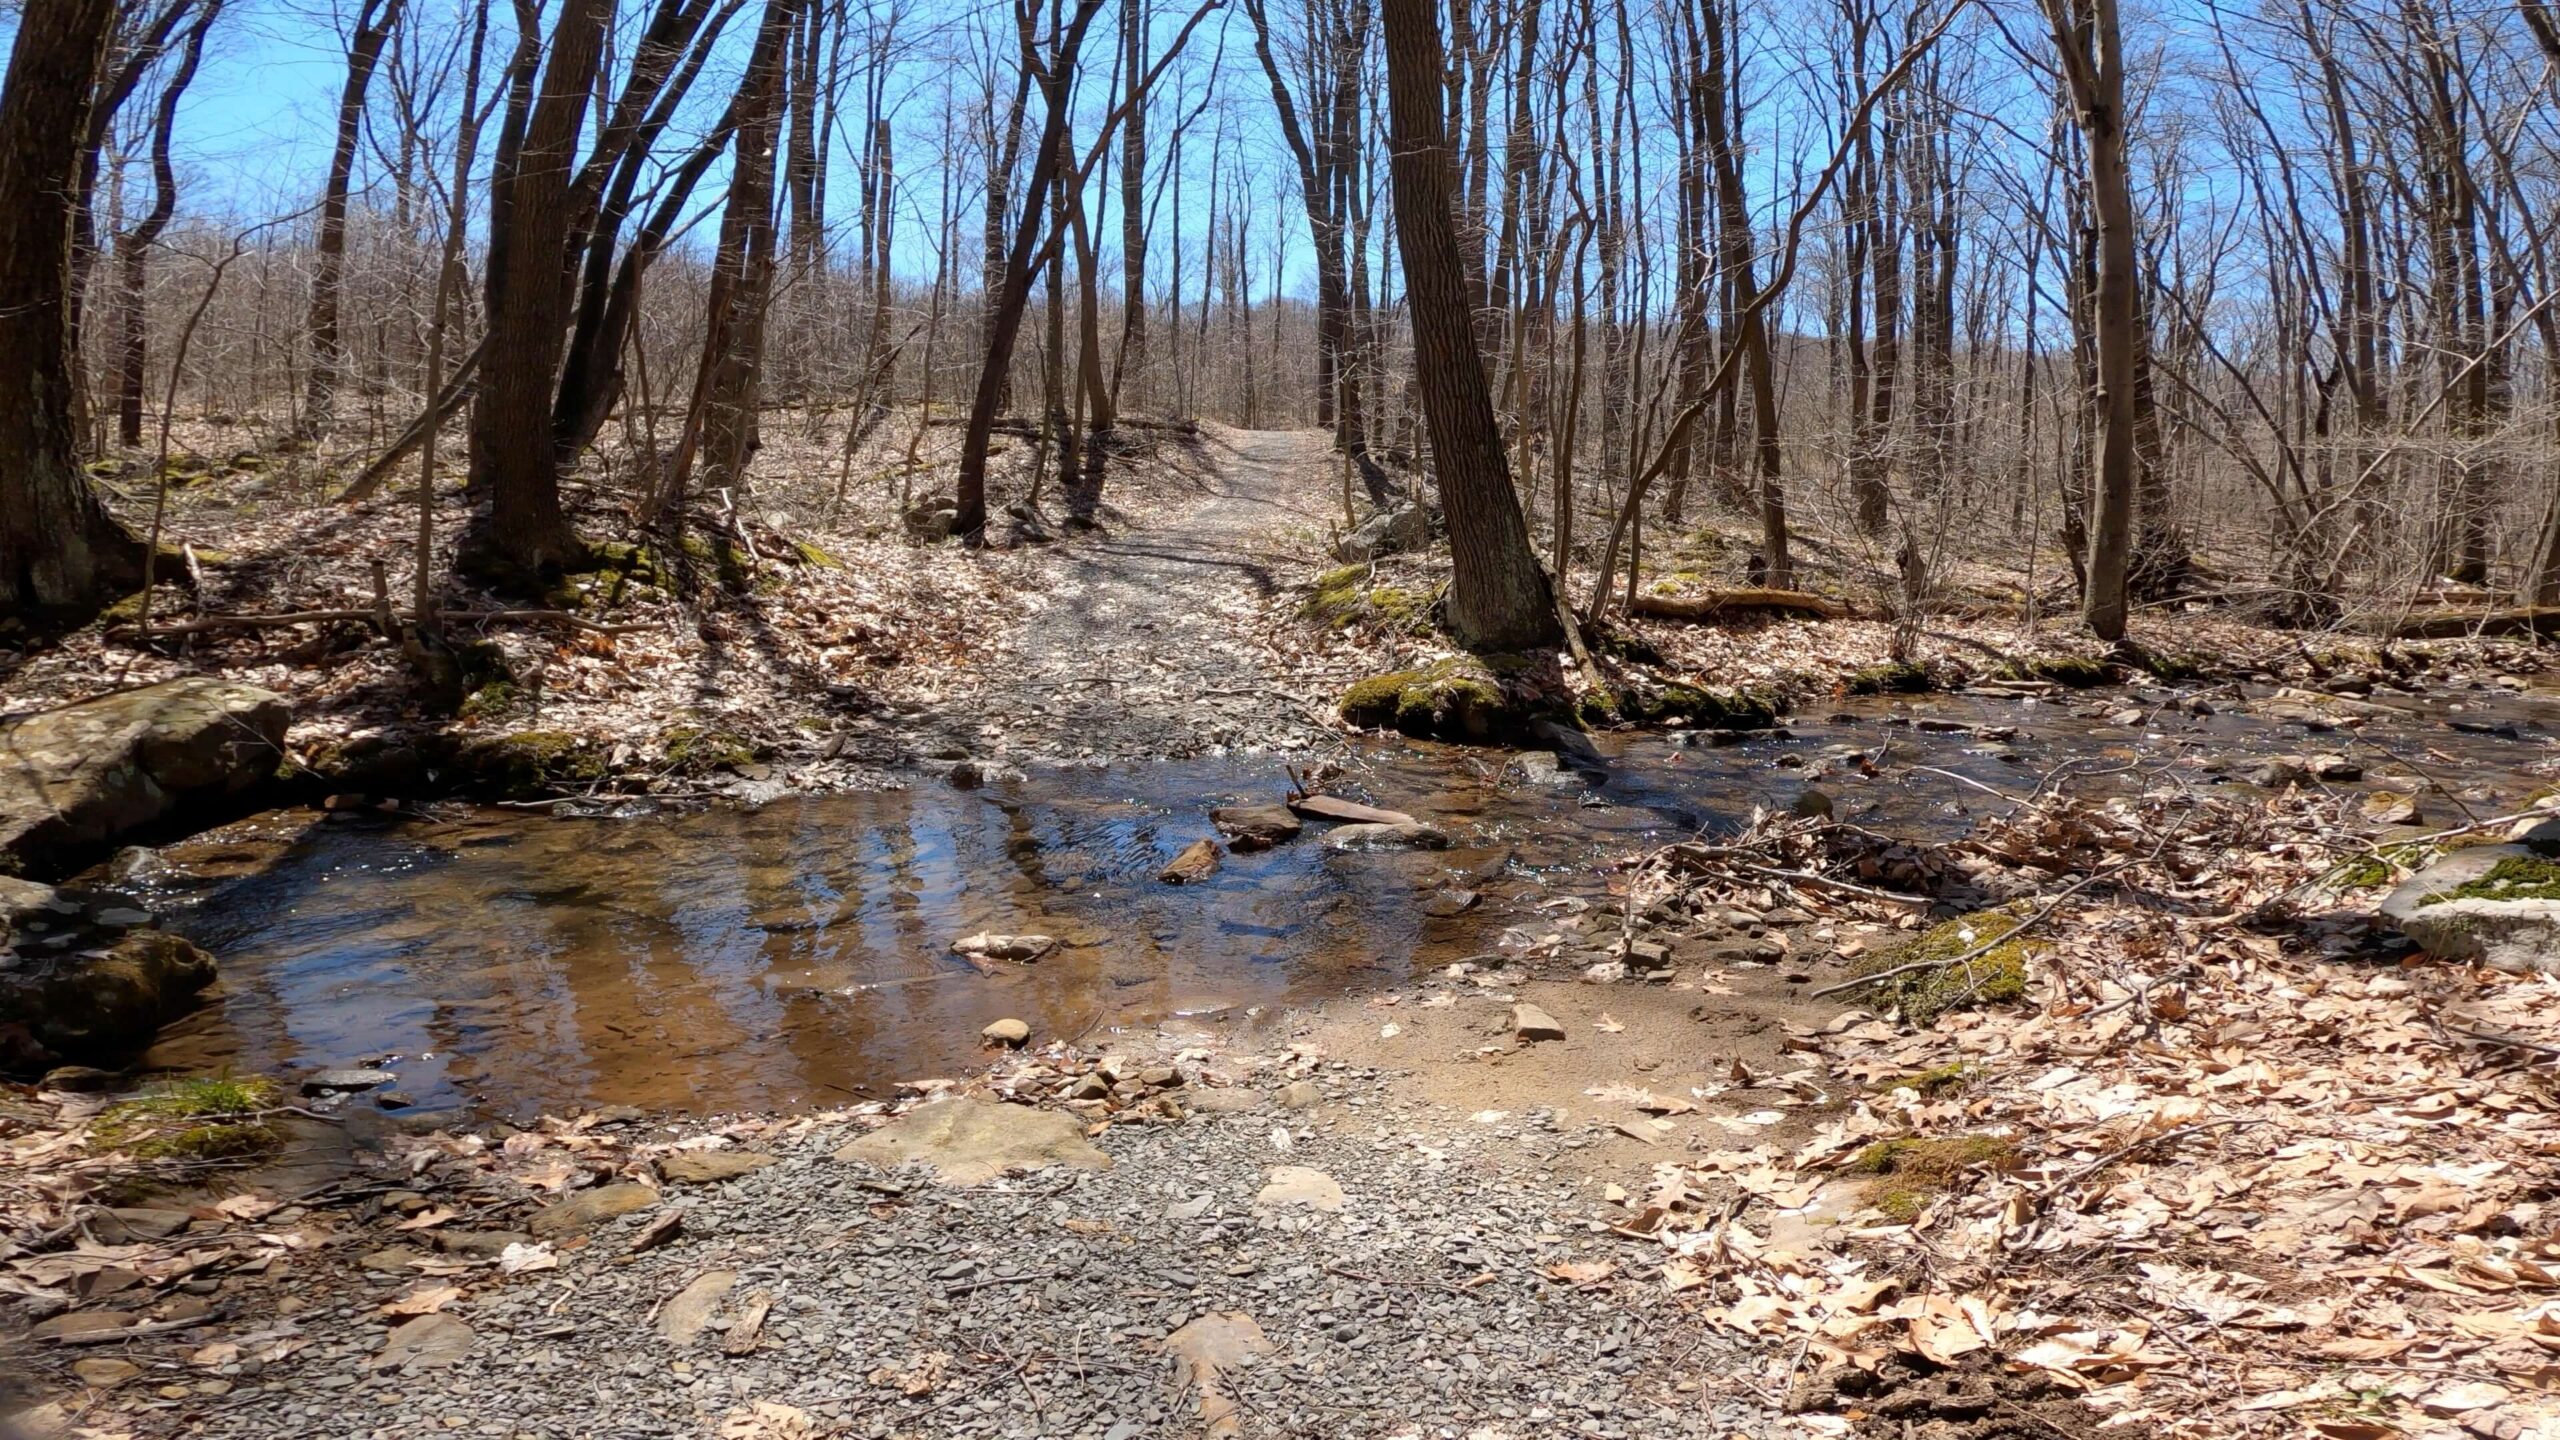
[
  {"x": 528, "y": 763},
  {"x": 2072, "y": 672},
  {"x": 2516, "y": 877},
  {"x": 1912, "y": 1171},
  {"x": 699, "y": 750},
  {"x": 1712, "y": 707},
  {"x": 1464, "y": 698},
  {"x": 814, "y": 556},
  {"x": 99, "y": 1007},
  {"x": 1341, "y": 599},
  {"x": 1997, "y": 976},
  {"x": 1902, "y": 677}
]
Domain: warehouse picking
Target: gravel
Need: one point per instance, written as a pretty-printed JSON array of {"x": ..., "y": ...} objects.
[{"x": 1417, "y": 1308}]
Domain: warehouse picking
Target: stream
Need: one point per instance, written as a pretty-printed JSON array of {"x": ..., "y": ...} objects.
[{"x": 511, "y": 963}]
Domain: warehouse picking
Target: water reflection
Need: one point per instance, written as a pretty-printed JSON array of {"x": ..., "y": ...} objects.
[{"x": 518, "y": 963}]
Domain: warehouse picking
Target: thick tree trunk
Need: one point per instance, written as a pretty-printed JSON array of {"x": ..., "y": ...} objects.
[
  {"x": 62, "y": 556},
  {"x": 1498, "y": 595},
  {"x": 518, "y": 532}
]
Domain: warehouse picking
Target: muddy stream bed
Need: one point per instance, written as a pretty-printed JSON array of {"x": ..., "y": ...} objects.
[{"x": 508, "y": 963}]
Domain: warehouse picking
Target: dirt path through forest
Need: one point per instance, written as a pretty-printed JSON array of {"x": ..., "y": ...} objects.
[{"x": 1150, "y": 642}]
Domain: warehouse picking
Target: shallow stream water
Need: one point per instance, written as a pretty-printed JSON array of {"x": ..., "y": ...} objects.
[{"x": 512, "y": 963}]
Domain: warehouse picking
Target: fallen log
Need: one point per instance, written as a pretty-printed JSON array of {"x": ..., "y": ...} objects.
[
  {"x": 203, "y": 623},
  {"x": 1720, "y": 604},
  {"x": 2542, "y": 621}
]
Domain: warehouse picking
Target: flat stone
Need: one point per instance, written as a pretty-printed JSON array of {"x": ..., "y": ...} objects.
[
  {"x": 80, "y": 1079},
  {"x": 1022, "y": 949},
  {"x": 1352, "y": 812},
  {"x": 1301, "y": 1187},
  {"x": 1010, "y": 1033},
  {"x": 429, "y": 1342},
  {"x": 146, "y": 1222},
  {"x": 1197, "y": 862},
  {"x": 589, "y": 1208},
  {"x": 1529, "y": 1023},
  {"x": 2389, "y": 807},
  {"x": 103, "y": 1374},
  {"x": 1300, "y": 1095},
  {"x": 1255, "y": 827},
  {"x": 1402, "y": 835},
  {"x": 1449, "y": 902},
  {"x": 392, "y": 1259},
  {"x": 969, "y": 1142},
  {"x": 1225, "y": 1100},
  {"x": 326, "y": 1081},
  {"x": 2335, "y": 767},
  {"x": 704, "y": 1167},
  {"x": 683, "y": 1319},
  {"x": 82, "y": 1322}
]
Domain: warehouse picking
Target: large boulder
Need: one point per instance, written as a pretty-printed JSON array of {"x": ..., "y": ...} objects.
[
  {"x": 78, "y": 779},
  {"x": 1467, "y": 699},
  {"x": 2496, "y": 905},
  {"x": 1389, "y": 532}
]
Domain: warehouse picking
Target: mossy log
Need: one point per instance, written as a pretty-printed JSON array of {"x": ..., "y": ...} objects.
[{"x": 1724, "y": 604}]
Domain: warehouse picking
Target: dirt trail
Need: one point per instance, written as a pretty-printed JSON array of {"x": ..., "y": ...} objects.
[{"x": 1149, "y": 642}]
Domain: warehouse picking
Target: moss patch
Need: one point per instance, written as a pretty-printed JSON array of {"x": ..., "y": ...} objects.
[
  {"x": 209, "y": 1119},
  {"x": 1909, "y": 677},
  {"x": 1461, "y": 698},
  {"x": 1997, "y": 976},
  {"x": 529, "y": 762},
  {"x": 1950, "y": 1076},
  {"x": 2518, "y": 877},
  {"x": 1342, "y": 598},
  {"x": 1716, "y": 707},
  {"x": 1912, "y": 1171},
  {"x": 699, "y": 750}
]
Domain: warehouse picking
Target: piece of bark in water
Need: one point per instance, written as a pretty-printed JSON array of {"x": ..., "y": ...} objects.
[
  {"x": 1349, "y": 812},
  {"x": 1717, "y": 604}
]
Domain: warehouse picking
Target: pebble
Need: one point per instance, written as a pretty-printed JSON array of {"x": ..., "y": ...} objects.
[{"x": 1008, "y": 1032}]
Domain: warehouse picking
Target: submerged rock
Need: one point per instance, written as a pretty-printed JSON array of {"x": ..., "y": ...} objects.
[
  {"x": 83, "y": 777},
  {"x": 1022, "y": 949},
  {"x": 1255, "y": 827},
  {"x": 1197, "y": 862},
  {"x": 1411, "y": 835},
  {"x": 88, "y": 1005}
]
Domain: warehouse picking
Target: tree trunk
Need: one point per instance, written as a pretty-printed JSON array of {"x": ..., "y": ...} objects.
[
  {"x": 133, "y": 248},
  {"x": 518, "y": 533},
  {"x": 62, "y": 556},
  {"x": 2090, "y": 40},
  {"x": 1498, "y": 595},
  {"x": 328, "y": 355}
]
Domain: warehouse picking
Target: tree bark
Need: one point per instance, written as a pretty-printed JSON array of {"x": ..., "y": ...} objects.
[
  {"x": 328, "y": 276},
  {"x": 1498, "y": 596},
  {"x": 62, "y": 556},
  {"x": 518, "y": 533},
  {"x": 2090, "y": 41}
]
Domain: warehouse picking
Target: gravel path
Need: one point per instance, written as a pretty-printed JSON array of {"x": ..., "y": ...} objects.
[
  {"x": 1418, "y": 1308},
  {"x": 1149, "y": 642}
]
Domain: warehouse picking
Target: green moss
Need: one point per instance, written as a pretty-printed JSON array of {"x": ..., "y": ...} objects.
[
  {"x": 204, "y": 1119},
  {"x": 2518, "y": 877},
  {"x": 227, "y": 1141},
  {"x": 1996, "y": 976},
  {"x": 2382, "y": 867},
  {"x": 1912, "y": 1171},
  {"x": 1950, "y": 1076},
  {"x": 127, "y": 611},
  {"x": 812, "y": 555},
  {"x": 1339, "y": 601},
  {"x": 698, "y": 750},
  {"x": 530, "y": 762},
  {"x": 489, "y": 700},
  {"x": 1598, "y": 705},
  {"x": 1460, "y": 699},
  {"x": 1907, "y": 677}
]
